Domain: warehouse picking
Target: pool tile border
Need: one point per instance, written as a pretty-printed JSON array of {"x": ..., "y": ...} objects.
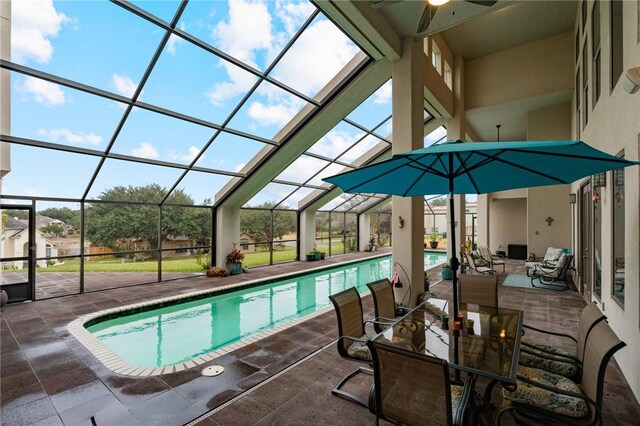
[{"x": 118, "y": 365}]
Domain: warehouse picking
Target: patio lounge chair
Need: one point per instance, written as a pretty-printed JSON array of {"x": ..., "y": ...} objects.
[
  {"x": 477, "y": 266},
  {"x": 552, "y": 276},
  {"x": 549, "y": 260},
  {"x": 384, "y": 303},
  {"x": 478, "y": 290},
  {"x": 415, "y": 389},
  {"x": 546, "y": 398},
  {"x": 492, "y": 259},
  {"x": 560, "y": 361},
  {"x": 352, "y": 340}
]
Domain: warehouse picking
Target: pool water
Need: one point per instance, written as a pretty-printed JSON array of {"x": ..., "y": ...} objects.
[{"x": 184, "y": 331}]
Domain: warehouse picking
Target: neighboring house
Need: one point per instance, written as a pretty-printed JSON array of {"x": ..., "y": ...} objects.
[
  {"x": 171, "y": 246},
  {"x": 16, "y": 243},
  {"x": 247, "y": 242},
  {"x": 435, "y": 218},
  {"x": 68, "y": 241}
]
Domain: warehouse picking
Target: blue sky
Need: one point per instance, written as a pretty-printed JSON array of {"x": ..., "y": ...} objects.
[{"x": 104, "y": 46}]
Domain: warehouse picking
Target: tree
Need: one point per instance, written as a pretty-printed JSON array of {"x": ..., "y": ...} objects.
[
  {"x": 257, "y": 222},
  {"x": 20, "y": 214},
  {"x": 65, "y": 214},
  {"x": 442, "y": 201},
  {"x": 108, "y": 224},
  {"x": 52, "y": 229}
]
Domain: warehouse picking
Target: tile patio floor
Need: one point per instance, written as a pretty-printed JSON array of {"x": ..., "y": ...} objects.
[{"x": 48, "y": 378}]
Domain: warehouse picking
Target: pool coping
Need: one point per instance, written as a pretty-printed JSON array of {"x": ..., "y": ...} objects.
[{"x": 118, "y": 365}]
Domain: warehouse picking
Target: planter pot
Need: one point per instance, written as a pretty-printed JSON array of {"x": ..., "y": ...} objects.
[
  {"x": 372, "y": 247},
  {"x": 209, "y": 273},
  {"x": 317, "y": 255},
  {"x": 322, "y": 255},
  {"x": 447, "y": 273},
  {"x": 3, "y": 298},
  {"x": 311, "y": 257},
  {"x": 234, "y": 268},
  {"x": 433, "y": 244}
]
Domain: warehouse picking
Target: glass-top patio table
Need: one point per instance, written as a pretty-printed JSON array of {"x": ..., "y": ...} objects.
[{"x": 490, "y": 350}]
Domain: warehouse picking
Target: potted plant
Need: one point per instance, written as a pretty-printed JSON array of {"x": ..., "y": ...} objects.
[
  {"x": 234, "y": 261},
  {"x": 372, "y": 243},
  {"x": 216, "y": 272},
  {"x": 433, "y": 240},
  {"x": 447, "y": 272},
  {"x": 203, "y": 261},
  {"x": 311, "y": 256}
]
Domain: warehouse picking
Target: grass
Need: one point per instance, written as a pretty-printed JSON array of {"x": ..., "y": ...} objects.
[{"x": 171, "y": 264}]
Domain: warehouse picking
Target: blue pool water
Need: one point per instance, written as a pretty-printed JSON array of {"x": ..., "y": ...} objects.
[{"x": 184, "y": 331}]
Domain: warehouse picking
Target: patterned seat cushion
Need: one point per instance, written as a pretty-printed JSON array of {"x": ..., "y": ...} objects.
[
  {"x": 544, "y": 399},
  {"x": 547, "y": 348},
  {"x": 360, "y": 350},
  {"x": 566, "y": 369}
]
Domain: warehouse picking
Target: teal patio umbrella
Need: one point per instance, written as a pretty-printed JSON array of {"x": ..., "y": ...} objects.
[{"x": 455, "y": 167}]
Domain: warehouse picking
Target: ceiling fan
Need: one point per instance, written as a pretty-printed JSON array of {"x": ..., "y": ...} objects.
[{"x": 430, "y": 9}]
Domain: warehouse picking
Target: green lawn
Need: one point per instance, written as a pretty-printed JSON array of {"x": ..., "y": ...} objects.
[{"x": 171, "y": 264}]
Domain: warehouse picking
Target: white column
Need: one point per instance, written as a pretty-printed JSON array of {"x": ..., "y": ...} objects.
[
  {"x": 364, "y": 230},
  {"x": 408, "y": 133},
  {"x": 307, "y": 232},
  {"x": 227, "y": 232}
]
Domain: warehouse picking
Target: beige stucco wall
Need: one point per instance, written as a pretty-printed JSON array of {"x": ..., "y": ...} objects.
[
  {"x": 534, "y": 69},
  {"x": 614, "y": 124},
  {"x": 507, "y": 222},
  {"x": 552, "y": 123}
]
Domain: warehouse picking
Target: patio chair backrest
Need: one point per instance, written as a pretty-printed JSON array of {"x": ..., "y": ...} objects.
[
  {"x": 348, "y": 307},
  {"x": 485, "y": 253},
  {"x": 601, "y": 346},
  {"x": 472, "y": 263},
  {"x": 478, "y": 289},
  {"x": 383, "y": 299},
  {"x": 589, "y": 317},
  {"x": 552, "y": 255},
  {"x": 561, "y": 267},
  {"x": 410, "y": 388}
]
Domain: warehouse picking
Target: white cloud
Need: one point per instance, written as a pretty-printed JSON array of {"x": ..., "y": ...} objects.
[
  {"x": 247, "y": 30},
  {"x": 330, "y": 51},
  {"x": 124, "y": 85},
  {"x": 240, "y": 82},
  {"x": 360, "y": 149},
  {"x": 239, "y": 167},
  {"x": 273, "y": 114},
  {"x": 187, "y": 157},
  {"x": 145, "y": 150},
  {"x": 66, "y": 135},
  {"x": 43, "y": 92},
  {"x": 383, "y": 94},
  {"x": 293, "y": 15},
  {"x": 33, "y": 24},
  {"x": 335, "y": 142},
  {"x": 301, "y": 169},
  {"x": 174, "y": 40}
]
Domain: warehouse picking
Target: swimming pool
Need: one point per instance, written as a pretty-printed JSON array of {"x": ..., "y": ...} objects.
[{"x": 155, "y": 337}]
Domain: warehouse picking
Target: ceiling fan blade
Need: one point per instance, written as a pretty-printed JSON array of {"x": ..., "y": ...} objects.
[
  {"x": 425, "y": 20},
  {"x": 483, "y": 2}
]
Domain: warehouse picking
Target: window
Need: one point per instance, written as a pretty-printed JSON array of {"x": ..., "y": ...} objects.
[
  {"x": 47, "y": 251},
  {"x": 577, "y": 95},
  {"x": 448, "y": 75},
  {"x": 616, "y": 42},
  {"x": 595, "y": 49},
  {"x": 435, "y": 57},
  {"x": 599, "y": 186},
  {"x": 585, "y": 86},
  {"x": 244, "y": 244},
  {"x": 618, "y": 218}
]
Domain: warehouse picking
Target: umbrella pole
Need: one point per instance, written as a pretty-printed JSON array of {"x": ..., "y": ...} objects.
[{"x": 454, "y": 262}]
